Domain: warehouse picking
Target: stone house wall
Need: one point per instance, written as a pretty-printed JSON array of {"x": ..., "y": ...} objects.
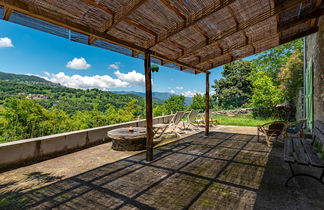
[{"x": 315, "y": 51}]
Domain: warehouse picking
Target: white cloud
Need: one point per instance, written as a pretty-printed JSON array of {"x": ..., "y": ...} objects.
[
  {"x": 133, "y": 78},
  {"x": 104, "y": 82},
  {"x": 190, "y": 93},
  {"x": 5, "y": 42},
  {"x": 114, "y": 66},
  {"x": 78, "y": 64},
  {"x": 179, "y": 88},
  {"x": 172, "y": 91}
]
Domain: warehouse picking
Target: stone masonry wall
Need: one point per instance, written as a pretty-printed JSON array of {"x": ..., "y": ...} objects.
[{"x": 315, "y": 50}]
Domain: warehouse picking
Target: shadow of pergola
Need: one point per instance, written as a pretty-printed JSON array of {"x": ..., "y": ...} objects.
[{"x": 223, "y": 171}]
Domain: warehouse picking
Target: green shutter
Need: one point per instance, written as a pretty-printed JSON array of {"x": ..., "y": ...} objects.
[{"x": 309, "y": 95}]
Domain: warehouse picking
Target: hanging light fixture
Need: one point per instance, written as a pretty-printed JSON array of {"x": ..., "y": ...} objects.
[{"x": 154, "y": 68}]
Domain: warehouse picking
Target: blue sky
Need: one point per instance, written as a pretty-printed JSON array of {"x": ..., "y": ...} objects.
[{"x": 39, "y": 53}]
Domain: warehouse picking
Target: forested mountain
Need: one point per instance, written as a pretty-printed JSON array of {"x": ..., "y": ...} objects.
[
  {"x": 31, "y": 106},
  {"x": 24, "y": 78},
  {"x": 51, "y": 95},
  {"x": 159, "y": 97},
  {"x": 69, "y": 100}
]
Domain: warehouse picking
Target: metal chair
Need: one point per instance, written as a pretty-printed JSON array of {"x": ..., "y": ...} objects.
[{"x": 296, "y": 129}]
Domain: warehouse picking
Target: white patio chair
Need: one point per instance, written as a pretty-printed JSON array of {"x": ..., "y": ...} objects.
[
  {"x": 201, "y": 121},
  {"x": 174, "y": 122},
  {"x": 193, "y": 114}
]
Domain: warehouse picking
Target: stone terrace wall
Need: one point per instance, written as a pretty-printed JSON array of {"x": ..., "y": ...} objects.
[
  {"x": 234, "y": 112},
  {"x": 14, "y": 154}
]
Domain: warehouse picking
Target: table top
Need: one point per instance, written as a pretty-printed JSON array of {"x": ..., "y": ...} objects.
[{"x": 124, "y": 132}]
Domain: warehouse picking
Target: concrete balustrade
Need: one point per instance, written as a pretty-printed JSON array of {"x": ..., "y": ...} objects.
[{"x": 13, "y": 154}]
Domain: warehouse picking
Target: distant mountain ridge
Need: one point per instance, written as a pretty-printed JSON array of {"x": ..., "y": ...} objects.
[
  {"x": 24, "y": 78},
  {"x": 158, "y": 95}
]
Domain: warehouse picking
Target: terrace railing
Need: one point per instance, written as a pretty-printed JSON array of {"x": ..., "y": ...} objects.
[{"x": 17, "y": 153}]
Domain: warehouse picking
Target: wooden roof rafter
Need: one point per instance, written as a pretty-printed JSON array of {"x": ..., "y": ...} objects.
[
  {"x": 282, "y": 41},
  {"x": 122, "y": 15},
  {"x": 291, "y": 23},
  {"x": 241, "y": 27},
  {"x": 185, "y": 34},
  {"x": 184, "y": 18},
  {"x": 187, "y": 24},
  {"x": 7, "y": 13},
  {"x": 301, "y": 19},
  {"x": 314, "y": 21},
  {"x": 21, "y": 7}
]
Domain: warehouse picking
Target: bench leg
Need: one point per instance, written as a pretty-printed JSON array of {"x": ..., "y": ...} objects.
[{"x": 303, "y": 174}]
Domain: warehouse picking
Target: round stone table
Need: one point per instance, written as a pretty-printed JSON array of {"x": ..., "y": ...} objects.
[{"x": 123, "y": 140}]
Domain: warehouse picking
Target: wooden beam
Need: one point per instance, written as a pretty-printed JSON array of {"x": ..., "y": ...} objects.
[
  {"x": 187, "y": 24},
  {"x": 174, "y": 9},
  {"x": 122, "y": 14},
  {"x": 177, "y": 62},
  {"x": 7, "y": 13},
  {"x": 99, "y": 6},
  {"x": 149, "y": 115},
  {"x": 143, "y": 28},
  {"x": 207, "y": 106},
  {"x": 39, "y": 13},
  {"x": 237, "y": 23},
  {"x": 240, "y": 27},
  {"x": 91, "y": 40},
  {"x": 302, "y": 19},
  {"x": 202, "y": 32},
  {"x": 300, "y": 35},
  {"x": 135, "y": 53},
  {"x": 317, "y": 5},
  {"x": 289, "y": 39},
  {"x": 125, "y": 11},
  {"x": 288, "y": 24}
]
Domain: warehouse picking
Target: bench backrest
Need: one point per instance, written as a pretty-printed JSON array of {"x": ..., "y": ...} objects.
[{"x": 319, "y": 131}]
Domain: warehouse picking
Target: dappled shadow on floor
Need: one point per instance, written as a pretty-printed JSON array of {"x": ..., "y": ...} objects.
[{"x": 223, "y": 171}]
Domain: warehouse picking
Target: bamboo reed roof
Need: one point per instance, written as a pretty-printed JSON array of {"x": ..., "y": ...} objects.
[{"x": 189, "y": 35}]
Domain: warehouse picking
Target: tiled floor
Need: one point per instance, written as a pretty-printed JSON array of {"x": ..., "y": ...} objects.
[{"x": 227, "y": 170}]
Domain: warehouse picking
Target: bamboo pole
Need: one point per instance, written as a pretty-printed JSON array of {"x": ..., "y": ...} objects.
[
  {"x": 149, "y": 115},
  {"x": 207, "y": 106}
]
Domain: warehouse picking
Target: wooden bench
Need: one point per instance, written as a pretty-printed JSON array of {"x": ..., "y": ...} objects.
[{"x": 299, "y": 151}]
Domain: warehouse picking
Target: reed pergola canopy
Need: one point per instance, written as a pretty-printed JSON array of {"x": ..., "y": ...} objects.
[{"x": 191, "y": 35}]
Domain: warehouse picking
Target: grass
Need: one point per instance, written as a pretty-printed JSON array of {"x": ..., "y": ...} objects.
[{"x": 242, "y": 120}]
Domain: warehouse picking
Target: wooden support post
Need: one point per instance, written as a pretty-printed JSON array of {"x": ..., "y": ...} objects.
[
  {"x": 7, "y": 13},
  {"x": 149, "y": 115},
  {"x": 207, "y": 106}
]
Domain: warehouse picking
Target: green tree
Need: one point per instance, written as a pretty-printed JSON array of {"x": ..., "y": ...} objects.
[
  {"x": 23, "y": 118},
  {"x": 234, "y": 89},
  {"x": 160, "y": 110},
  {"x": 265, "y": 93},
  {"x": 198, "y": 102},
  {"x": 175, "y": 103},
  {"x": 291, "y": 76},
  {"x": 271, "y": 61}
]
